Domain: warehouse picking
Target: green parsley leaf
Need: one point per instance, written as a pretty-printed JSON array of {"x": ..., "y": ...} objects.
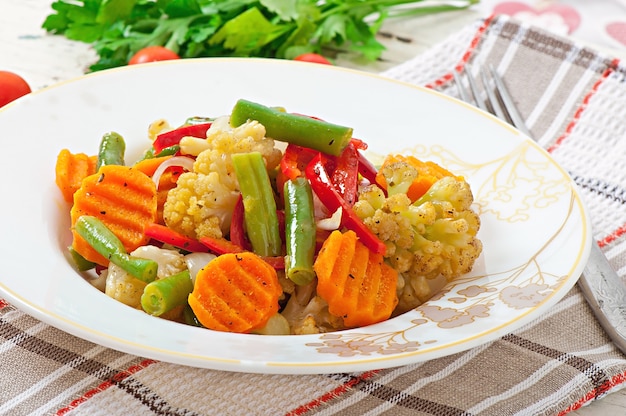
[
  {"x": 246, "y": 33},
  {"x": 286, "y": 10},
  {"x": 111, "y": 11},
  {"x": 182, "y": 8},
  {"x": 117, "y": 29}
]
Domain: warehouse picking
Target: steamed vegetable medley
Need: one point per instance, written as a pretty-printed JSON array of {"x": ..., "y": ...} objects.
[{"x": 216, "y": 226}]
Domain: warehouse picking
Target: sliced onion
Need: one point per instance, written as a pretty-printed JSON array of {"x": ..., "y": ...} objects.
[
  {"x": 196, "y": 261},
  {"x": 180, "y": 161},
  {"x": 331, "y": 223}
]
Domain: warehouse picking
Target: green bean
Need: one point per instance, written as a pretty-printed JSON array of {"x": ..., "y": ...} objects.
[
  {"x": 168, "y": 151},
  {"x": 148, "y": 154},
  {"x": 198, "y": 120},
  {"x": 98, "y": 236},
  {"x": 165, "y": 294},
  {"x": 294, "y": 128},
  {"x": 190, "y": 318},
  {"x": 259, "y": 205},
  {"x": 81, "y": 263},
  {"x": 299, "y": 231},
  {"x": 112, "y": 149}
]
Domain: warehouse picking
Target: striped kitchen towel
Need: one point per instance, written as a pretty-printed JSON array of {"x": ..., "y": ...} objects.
[{"x": 573, "y": 99}]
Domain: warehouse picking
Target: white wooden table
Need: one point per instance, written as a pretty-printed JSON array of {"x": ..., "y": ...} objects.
[{"x": 44, "y": 60}]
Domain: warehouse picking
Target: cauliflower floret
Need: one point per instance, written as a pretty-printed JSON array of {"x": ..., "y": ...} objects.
[
  {"x": 399, "y": 176},
  {"x": 123, "y": 287},
  {"x": 203, "y": 200},
  {"x": 169, "y": 261},
  {"x": 433, "y": 237},
  {"x": 157, "y": 127},
  {"x": 128, "y": 289},
  {"x": 225, "y": 140},
  {"x": 200, "y": 205}
]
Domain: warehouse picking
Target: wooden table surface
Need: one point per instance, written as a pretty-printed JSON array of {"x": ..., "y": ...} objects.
[{"x": 44, "y": 60}]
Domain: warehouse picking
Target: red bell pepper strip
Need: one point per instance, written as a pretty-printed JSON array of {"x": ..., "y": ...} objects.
[
  {"x": 221, "y": 246},
  {"x": 343, "y": 169},
  {"x": 366, "y": 168},
  {"x": 345, "y": 175},
  {"x": 173, "y": 137},
  {"x": 237, "y": 232},
  {"x": 205, "y": 244},
  {"x": 238, "y": 236},
  {"x": 358, "y": 143},
  {"x": 280, "y": 214},
  {"x": 295, "y": 159},
  {"x": 166, "y": 235},
  {"x": 277, "y": 262},
  {"x": 322, "y": 186}
]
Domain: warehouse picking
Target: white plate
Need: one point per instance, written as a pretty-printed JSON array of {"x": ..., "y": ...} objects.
[{"x": 535, "y": 228}]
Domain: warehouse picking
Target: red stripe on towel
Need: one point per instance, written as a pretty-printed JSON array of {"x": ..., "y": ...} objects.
[
  {"x": 582, "y": 107},
  {"x": 613, "y": 236},
  {"x": 105, "y": 385},
  {"x": 335, "y": 393},
  {"x": 596, "y": 393},
  {"x": 466, "y": 56}
]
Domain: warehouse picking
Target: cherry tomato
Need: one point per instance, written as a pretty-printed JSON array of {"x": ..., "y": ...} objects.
[
  {"x": 12, "y": 87},
  {"x": 312, "y": 57},
  {"x": 152, "y": 54}
]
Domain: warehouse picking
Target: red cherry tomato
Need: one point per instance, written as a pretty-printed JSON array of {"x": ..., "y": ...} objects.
[
  {"x": 152, "y": 54},
  {"x": 12, "y": 87},
  {"x": 312, "y": 57}
]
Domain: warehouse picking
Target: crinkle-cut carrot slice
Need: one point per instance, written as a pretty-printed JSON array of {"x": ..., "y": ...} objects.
[
  {"x": 71, "y": 169},
  {"x": 235, "y": 292},
  {"x": 124, "y": 199},
  {"x": 355, "y": 282}
]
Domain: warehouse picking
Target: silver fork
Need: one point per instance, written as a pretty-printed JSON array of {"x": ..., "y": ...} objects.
[
  {"x": 498, "y": 102},
  {"x": 603, "y": 289}
]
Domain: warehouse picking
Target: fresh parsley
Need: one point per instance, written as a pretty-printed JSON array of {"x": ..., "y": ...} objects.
[{"x": 259, "y": 28}]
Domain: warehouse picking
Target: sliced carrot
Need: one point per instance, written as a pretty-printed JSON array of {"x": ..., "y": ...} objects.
[
  {"x": 150, "y": 165},
  {"x": 355, "y": 282},
  {"x": 235, "y": 292},
  {"x": 167, "y": 181},
  {"x": 428, "y": 173},
  {"x": 71, "y": 169},
  {"x": 124, "y": 199}
]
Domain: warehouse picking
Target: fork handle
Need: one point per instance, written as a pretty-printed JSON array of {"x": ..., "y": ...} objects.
[{"x": 606, "y": 295}]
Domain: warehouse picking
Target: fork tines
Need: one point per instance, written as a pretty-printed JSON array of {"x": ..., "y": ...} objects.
[{"x": 490, "y": 95}]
